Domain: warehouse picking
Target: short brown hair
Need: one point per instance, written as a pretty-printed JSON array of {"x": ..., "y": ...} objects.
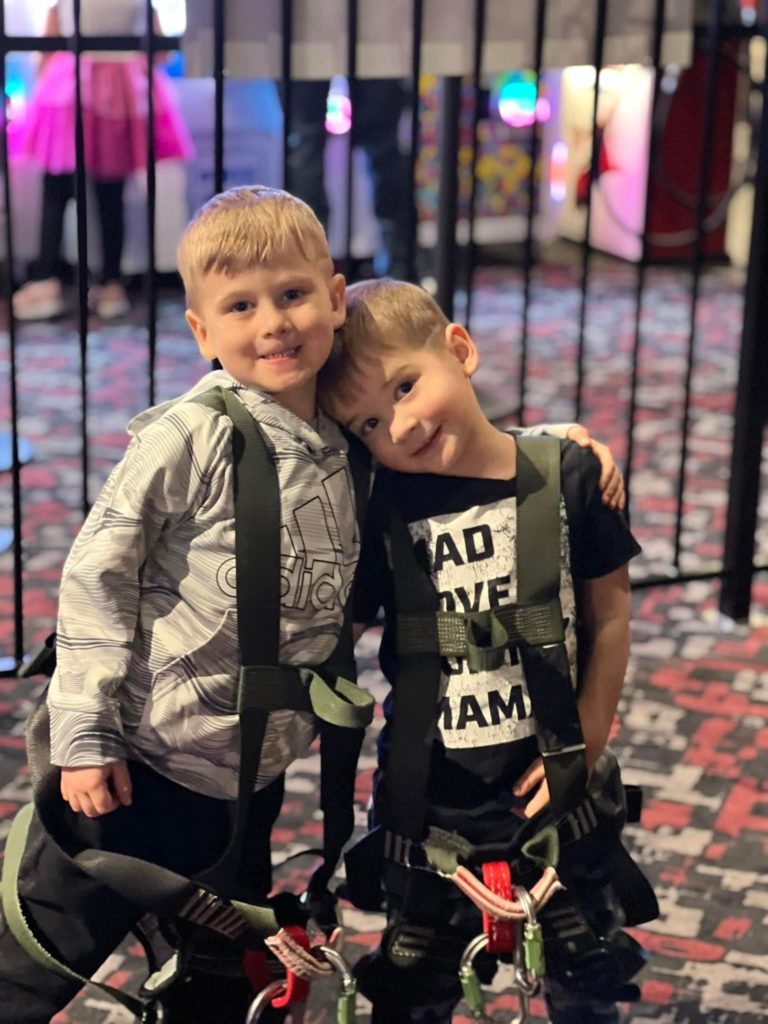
[
  {"x": 382, "y": 314},
  {"x": 238, "y": 229}
]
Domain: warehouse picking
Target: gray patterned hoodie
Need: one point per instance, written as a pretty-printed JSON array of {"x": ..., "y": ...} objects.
[{"x": 147, "y": 644}]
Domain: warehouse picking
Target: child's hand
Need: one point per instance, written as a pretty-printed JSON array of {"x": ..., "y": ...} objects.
[
  {"x": 611, "y": 482},
  {"x": 533, "y": 781},
  {"x": 97, "y": 791}
]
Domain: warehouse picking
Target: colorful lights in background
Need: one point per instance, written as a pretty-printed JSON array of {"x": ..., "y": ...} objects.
[
  {"x": 338, "y": 115},
  {"x": 516, "y": 99},
  {"x": 558, "y": 172}
]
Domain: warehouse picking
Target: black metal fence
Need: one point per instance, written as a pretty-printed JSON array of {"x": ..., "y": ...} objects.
[{"x": 720, "y": 32}]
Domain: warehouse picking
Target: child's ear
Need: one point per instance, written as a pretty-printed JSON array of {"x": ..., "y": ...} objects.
[
  {"x": 200, "y": 332},
  {"x": 338, "y": 305},
  {"x": 459, "y": 343}
]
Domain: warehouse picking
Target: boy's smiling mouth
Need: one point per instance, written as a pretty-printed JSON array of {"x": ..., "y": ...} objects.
[
  {"x": 428, "y": 444},
  {"x": 284, "y": 353}
]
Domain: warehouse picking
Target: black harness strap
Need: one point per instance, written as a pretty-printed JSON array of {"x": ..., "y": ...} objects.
[
  {"x": 340, "y": 747},
  {"x": 264, "y": 684},
  {"x": 546, "y": 668},
  {"x": 414, "y": 700}
]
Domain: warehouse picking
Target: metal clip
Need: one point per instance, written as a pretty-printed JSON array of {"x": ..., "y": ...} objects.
[
  {"x": 527, "y": 979},
  {"x": 470, "y": 983},
  {"x": 345, "y": 1008},
  {"x": 263, "y": 999}
]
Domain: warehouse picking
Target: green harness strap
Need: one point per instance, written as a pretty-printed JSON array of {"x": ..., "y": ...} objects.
[
  {"x": 265, "y": 684},
  {"x": 17, "y": 922},
  {"x": 545, "y": 665}
]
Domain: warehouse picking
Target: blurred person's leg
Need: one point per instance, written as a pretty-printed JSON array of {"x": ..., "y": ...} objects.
[
  {"x": 110, "y": 299},
  {"x": 42, "y": 298},
  {"x": 306, "y": 145},
  {"x": 378, "y": 107}
]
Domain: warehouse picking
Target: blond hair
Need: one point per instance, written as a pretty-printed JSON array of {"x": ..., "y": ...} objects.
[
  {"x": 382, "y": 315},
  {"x": 243, "y": 227}
]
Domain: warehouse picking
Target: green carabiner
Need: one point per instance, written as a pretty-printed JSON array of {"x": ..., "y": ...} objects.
[
  {"x": 345, "y": 1007},
  {"x": 473, "y": 994}
]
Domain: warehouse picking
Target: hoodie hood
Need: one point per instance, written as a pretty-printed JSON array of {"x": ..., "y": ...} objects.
[{"x": 319, "y": 436}]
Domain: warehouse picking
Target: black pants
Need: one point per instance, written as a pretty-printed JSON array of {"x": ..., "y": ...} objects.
[
  {"x": 82, "y": 922},
  {"x": 58, "y": 189},
  {"x": 378, "y": 106}
]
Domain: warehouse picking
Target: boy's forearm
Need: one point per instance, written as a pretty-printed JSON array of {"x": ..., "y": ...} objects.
[
  {"x": 601, "y": 685},
  {"x": 605, "y": 631}
]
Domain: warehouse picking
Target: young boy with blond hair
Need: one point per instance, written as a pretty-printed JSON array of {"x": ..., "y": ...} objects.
[
  {"x": 400, "y": 379},
  {"x": 143, "y": 702}
]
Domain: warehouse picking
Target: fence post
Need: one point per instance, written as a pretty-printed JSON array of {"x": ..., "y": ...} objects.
[
  {"x": 751, "y": 412},
  {"x": 448, "y": 194}
]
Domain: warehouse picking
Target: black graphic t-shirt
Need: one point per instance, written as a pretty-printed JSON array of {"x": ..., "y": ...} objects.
[{"x": 464, "y": 531}]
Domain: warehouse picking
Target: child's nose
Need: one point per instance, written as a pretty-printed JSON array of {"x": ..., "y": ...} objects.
[
  {"x": 273, "y": 319},
  {"x": 401, "y": 427}
]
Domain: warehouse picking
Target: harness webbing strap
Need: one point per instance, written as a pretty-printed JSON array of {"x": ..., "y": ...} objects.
[
  {"x": 546, "y": 668},
  {"x": 447, "y": 632},
  {"x": 265, "y": 685},
  {"x": 13, "y": 912},
  {"x": 415, "y": 697},
  {"x": 257, "y": 525}
]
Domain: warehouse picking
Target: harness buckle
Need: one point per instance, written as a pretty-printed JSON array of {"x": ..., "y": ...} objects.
[{"x": 487, "y": 642}]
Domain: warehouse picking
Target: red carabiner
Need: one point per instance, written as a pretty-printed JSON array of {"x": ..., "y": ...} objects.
[{"x": 497, "y": 875}]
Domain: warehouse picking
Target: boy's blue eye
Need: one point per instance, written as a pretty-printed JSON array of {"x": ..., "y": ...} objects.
[
  {"x": 369, "y": 425},
  {"x": 240, "y": 306},
  {"x": 291, "y": 294},
  {"x": 404, "y": 388}
]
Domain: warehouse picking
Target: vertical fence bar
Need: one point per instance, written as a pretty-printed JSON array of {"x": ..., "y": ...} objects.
[
  {"x": 448, "y": 192},
  {"x": 150, "y": 281},
  {"x": 8, "y": 665},
  {"x": 528, "y": 250},
  {"x": 417, "y": 29},
  {"x": 219, "y": 28},
  {"x": 714, "y": 35},
  {"x": 286, "y": 83},
  {"x": 82, "y": 258},
  {"x": 352, "y": 82},
  {"x": 586, "y": 250},
  {"x": 477, "y": 62},
  {"x": 751, "y": 412},
  {"x": 654, "y": 139}
]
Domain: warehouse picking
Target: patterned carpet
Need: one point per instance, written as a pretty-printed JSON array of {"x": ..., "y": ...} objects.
[{"x": 693, "y": 719}]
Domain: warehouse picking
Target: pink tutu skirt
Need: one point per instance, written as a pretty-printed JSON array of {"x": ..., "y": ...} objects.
[{"x": 114, "y": 104}]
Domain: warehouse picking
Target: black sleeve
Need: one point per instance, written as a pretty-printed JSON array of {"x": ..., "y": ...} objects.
[
  {"x": 369, "y": 578},
  {"x": 600, "y": 538},
  {"x": 373, "y": 583}
]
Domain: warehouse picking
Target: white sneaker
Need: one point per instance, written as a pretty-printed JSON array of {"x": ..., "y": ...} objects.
[
  {"x": 110, "y": 301},
  {"x": 39, "y": 300}
]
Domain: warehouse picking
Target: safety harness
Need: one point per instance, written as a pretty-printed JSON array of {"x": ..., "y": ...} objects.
[
  {"x": 215, "y": 900},
  {"x": 582, "y": 821}
]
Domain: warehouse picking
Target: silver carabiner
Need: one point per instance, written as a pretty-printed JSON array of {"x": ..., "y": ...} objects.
[
  {"x": 529, "y": 954},
  {"x": 262, "y": 1001},
  {"x": 470, "y": 983},
  {"x": 345, "y": 1008}
]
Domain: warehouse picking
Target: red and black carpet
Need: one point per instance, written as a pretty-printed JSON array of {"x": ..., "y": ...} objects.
[{"x": 694, "y": 716}]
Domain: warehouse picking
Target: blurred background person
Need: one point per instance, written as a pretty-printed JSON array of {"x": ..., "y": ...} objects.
[
  {"x": 378, "y": 105},
  {"x": 114, "y": 110}
]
